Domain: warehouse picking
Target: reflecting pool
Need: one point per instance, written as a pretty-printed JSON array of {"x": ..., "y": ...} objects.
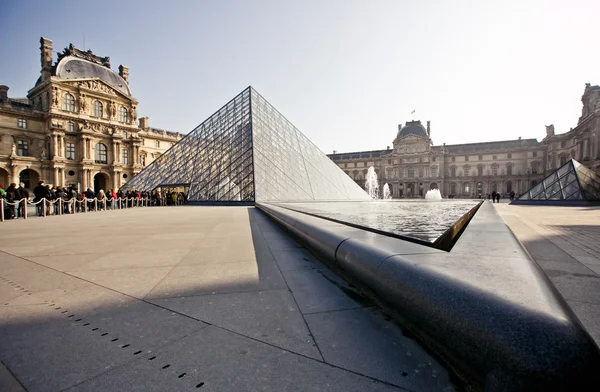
[{"x": 425, "y": 220}]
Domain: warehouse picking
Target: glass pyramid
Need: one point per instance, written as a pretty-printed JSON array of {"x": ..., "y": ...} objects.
[
  {"x": 570, "y": 182},
  {"x": 246, "y": 152}
]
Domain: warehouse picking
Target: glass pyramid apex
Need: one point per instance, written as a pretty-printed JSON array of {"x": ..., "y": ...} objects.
[
  {"x": 246, "y": 152},
  {"x": 570, "y": 183}
]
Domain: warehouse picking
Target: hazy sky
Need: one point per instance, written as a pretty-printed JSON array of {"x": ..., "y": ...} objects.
[{"x": 346, "y": 73}]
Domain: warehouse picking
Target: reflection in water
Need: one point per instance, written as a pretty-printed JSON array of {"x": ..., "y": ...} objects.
[{"x": 425, "y": 220}]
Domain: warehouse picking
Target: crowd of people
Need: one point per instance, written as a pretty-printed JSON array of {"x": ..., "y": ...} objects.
[{"x": 52, "y": 200}]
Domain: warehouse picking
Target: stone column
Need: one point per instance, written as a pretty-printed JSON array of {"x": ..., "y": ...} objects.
[
  {"x": 54, "y": 146},
  {"x": 84, "y": 147},
  {"x": 84, "y": 179},
  {"x": 115, "y": 155},
  {"x": 62, "y": 177},
  {"x": 585, "y": 153},
  {"x": 116, "y": 178},
  {"x": 55, "y": 176}
]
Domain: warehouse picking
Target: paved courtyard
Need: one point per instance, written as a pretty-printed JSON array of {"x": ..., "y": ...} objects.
[
  {"x": 565, "y": 242},
  {"x": 189, "y": 298}
]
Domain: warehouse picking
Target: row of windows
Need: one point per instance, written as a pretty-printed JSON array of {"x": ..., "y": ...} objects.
[
  {"x": 100, "y": 152},
  {"x": 97, "y": 108}
]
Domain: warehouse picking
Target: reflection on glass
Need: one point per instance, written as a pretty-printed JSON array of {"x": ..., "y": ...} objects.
[
  {"x": 572, "y": 181},
  {"x": 247, "y": 151}
]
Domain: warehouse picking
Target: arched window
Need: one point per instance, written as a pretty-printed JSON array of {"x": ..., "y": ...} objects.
[
  {"x": 122, "y": 114},
  {"x": 100, "y": 153},
  {"x": 69, "y": 103},
  {"x": 97, "y": 108}
]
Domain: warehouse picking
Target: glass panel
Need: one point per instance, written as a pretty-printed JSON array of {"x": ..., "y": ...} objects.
[
  {"x": 248, "y": 151},
  {"x": 550, "y": 179},
  {"x": 552, "y": 189},
  {"x": 566, "y": 168}
]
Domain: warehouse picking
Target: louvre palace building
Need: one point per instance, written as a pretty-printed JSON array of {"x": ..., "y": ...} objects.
[
  {"x": 78, "y": 126},
  {"x": 414, "y": 165}
]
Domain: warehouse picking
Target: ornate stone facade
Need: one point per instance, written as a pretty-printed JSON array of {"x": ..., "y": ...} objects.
[
  {"x": 78, "y": 126},
  {"x": 415, "y": 165}
]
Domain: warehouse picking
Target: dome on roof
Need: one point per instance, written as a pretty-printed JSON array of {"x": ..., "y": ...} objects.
[
  {"x": 412, "y": 128},
  {"x": 71, "y": 67}
]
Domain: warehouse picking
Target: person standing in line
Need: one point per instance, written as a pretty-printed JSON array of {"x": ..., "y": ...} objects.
[
  {"x": 39, "y": 192},
  {"x": 24, "y": 196}
]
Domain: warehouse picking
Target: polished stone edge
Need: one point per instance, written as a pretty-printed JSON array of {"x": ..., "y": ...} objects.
[
  {"x": 447, "y": 240},
  {"x": 503, "y": 345},
  {"x": 560, "y": 203},
  {"x": 220, "y": 203}
]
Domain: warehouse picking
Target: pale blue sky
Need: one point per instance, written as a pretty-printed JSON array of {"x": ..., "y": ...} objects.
[{"x": 346, "y": 73}]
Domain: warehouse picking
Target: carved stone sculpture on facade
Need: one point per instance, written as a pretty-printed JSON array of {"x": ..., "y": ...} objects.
[
  {"x": 133, "y": 114},
  {"x": 13, "y": 150},
  {"x": 55, "y": 97},
  {"x": 113, "y": 109},
  {"x": 550, "y": 130},
  {"x": 83, "y": 103}
]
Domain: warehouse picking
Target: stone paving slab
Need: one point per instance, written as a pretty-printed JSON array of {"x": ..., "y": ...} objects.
[
  {"x": 223, "y": 297},
  {"x": 565, "y": 242}
]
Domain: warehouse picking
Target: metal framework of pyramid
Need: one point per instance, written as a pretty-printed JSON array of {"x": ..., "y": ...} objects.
[
  {"x": 571, "y": 183},
  {"x": 248, "y": 152}
]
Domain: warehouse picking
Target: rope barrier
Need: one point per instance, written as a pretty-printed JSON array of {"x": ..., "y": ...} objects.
[{"x": 70, "y": 206}]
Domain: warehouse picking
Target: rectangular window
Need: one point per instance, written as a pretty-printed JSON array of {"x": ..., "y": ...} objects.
[
  {"x": 433, "y": 159},
  {"x": 421, "y": 172},
  {"x": 535, "y": 166},
  {"x": 23, "y": 148},
  {"x": 411, "y": 172},
  {"x": 22, "y": 123},
  {"x": 434, "y": 172},
  {"x": 494, "y": 171},
  {"x": 452, "y": 172},
  {"x": 480, "y": 157},
  {"x": 480, "y": 170},
  {"x": 509, "y": 170},
  {"x": 158, "y": 144},
  {"x": 466, "y": 158},
  {"x": 494, "y": 157},
  {"x": 70, "y": 150},
  {"x": 509, "y": 155},
  {"x": 125, "y": 156},
  {"x": 535, "y": 154},
  {"x": 70, "y": 127},
  {"x": 563, "y": 144},
  {"x": 453, "y": 159},
  {"x": 142, "y": 142}
]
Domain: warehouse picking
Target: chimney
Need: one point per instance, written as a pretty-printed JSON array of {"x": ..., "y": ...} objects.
[
  {"x": 3, "y": 94},
  {"x": 519, "y": 137},
  {"x": 46, "y": 58},
  {"x": 388, "y": 147},
  {"x": 124, "y": 72},
  {"x": 144, "y": 123},
  {"x": 428, "y": 128}
]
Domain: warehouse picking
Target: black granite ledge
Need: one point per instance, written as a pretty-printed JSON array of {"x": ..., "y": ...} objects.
[{"x": 485, "y": 306}]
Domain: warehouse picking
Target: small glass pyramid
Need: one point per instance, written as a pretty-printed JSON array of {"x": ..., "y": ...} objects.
[
  {"x": 246, "y": 152},
  {"x": 570, "y": 182}
]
